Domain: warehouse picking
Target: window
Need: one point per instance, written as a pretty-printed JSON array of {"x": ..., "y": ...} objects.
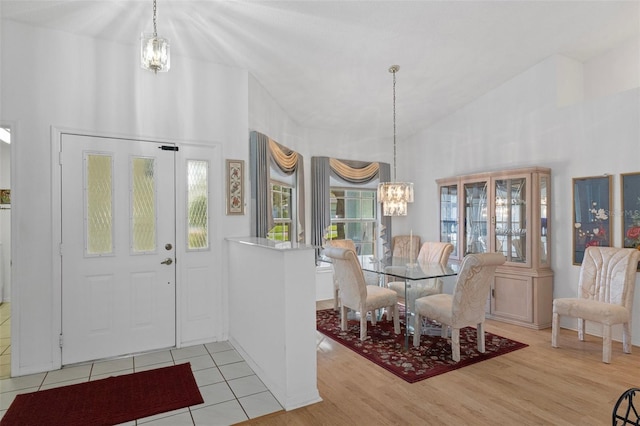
[
  {"x": 281, "y": 211},
  {"x": 353, "y": 217},
  {"x": 143, "y": 205},
  {"x": 197, "y": 204},
  {"x": 98, "y": 209}
]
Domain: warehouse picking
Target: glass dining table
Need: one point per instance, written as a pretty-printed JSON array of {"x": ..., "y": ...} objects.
[{"x": 416, "y": 276}]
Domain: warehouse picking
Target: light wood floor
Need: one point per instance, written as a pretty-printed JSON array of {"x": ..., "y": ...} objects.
[{"x": 537, "y": 385}]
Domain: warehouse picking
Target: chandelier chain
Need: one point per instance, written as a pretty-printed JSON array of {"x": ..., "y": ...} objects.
[
  {"x": 155, "y": 29},
  {"x": 393, "y": 71}
]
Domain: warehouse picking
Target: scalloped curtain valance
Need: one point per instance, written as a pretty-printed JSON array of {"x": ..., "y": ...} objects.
[
  {"x": 354, "y": 171},
  {"x": 286, "y": 159}
]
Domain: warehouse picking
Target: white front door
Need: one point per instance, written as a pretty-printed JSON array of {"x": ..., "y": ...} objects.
[{"x": 118, "y": 247}]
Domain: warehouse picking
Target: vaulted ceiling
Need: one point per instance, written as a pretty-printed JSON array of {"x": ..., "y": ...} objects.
[{"x": 326, "y": 62}]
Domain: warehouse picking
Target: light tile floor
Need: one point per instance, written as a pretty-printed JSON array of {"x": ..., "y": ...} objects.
[{"x": 231, "y": 391}]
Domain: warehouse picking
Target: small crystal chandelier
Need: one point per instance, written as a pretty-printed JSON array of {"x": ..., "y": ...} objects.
[
  {"x": 154, "y": 50},
  {"x": 394, "y": 196}
]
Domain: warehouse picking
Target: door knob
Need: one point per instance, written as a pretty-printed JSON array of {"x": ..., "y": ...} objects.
[{"x": 167, "y": 261}]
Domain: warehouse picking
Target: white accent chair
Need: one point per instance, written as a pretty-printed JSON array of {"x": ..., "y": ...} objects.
[
  {"x": 605, "y": 295},
  {"x": 466, "y": 306},
  {"x": 430, "y": 252},
  {"x": 357, "y": 295}
]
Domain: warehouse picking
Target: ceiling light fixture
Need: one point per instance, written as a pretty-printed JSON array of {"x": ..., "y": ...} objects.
[
  {"x": 154, "y": 50},
  {"x": 394, "y": 196}
]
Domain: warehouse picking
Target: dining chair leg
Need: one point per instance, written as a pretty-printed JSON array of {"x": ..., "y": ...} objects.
[
  {"x": 363, "y": 325},
  {"x": 343, "y": 318},
  {"x": 417, "y": 330},
  {"x": 555, "y": 329},
  {"x": 480, "y": 338},
  {"x": 626, "y": 337},
  {"x": 581, "y": 327},
  {"x": 455, "y": 344},
  {"x": 444, "y": 330},
  {"x": 606, "y": 344},
  {"x": 396, "y": 318}
]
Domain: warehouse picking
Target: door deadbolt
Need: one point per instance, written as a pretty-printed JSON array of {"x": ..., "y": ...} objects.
[
  {"x": 167, "y": 261},
  {"x": 168, "y": 246}
]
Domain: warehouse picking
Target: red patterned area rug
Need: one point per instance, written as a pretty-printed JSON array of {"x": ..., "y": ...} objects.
[
  {"x": 431, "y": 358},
  {"x": 107, "y": 401}
]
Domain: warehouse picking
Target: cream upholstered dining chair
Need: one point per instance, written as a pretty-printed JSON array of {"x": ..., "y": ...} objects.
[
  {"x": 605, "y": 295},
  {"x": 357, "y": 295},
  {"x": 346, "y": 244},
  {"x": 430, "y": 252},
  {"x": 466, "y": 306},
  {"x": 403, "y": 245}
]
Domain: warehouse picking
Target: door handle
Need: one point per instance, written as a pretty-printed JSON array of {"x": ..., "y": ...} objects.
[{"x": 167, "y": 261}]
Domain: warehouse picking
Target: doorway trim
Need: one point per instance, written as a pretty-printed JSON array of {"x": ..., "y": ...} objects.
[{"x": 15, "y": 320}]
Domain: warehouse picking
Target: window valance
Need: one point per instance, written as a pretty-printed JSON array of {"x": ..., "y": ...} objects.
[
  {"x": 354, "y": 171},
  {"x": 286, "y": 159}
]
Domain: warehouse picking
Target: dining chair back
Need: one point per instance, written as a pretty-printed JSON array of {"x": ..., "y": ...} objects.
[
  {"x": 466, "y": 306},
  {"x": 404, "y": 245},
  {"x": 355, "y": 294},
  {"x": 435, "y": 252},
  {"x": 605, "y": 295},
  {"x": 346, "y": 244},
  {"x": 430, "y": 252}
]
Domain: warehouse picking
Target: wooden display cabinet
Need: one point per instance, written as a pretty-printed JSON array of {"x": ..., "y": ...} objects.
[{"x": 506, "y": 212}]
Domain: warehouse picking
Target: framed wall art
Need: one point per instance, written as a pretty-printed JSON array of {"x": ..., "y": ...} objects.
[
  {"x": 591, "y": 214},
  {"x": 5, "y": 196},
  {"x": 630, "y": 186},
  {"x": 235, "y": 187}
]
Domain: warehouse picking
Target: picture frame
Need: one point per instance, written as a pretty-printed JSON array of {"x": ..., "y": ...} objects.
[
  {"x": 235, "y": 187},
  {"x": 5, "y": 196},
  {"x": 630, "y": 196},
  {"x": 592, "y": 200}
]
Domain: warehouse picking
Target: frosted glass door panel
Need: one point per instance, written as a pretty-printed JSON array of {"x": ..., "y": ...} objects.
[
  {"x": 98, "y": 204},
  {"x": 197, "y": 200},
  {"x": 143, "y": 205}
]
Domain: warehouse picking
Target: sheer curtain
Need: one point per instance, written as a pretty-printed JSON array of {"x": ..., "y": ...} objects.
[
  {"x": 353, "y": 172},
  {"x": 265, "y": 153}
]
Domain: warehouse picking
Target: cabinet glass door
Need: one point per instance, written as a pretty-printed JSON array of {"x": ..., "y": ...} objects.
[
  {"x": 510, "y": 219},
  {"x": 449, "y": 216},
  {"x": 544, "y": 250},
  {"x": 476, "y": 237}
]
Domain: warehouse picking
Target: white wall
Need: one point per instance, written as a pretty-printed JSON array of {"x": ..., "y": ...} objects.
[
  {"x": 521, "y": 124},
  {"x": 278, "y": 286},
  {"x": 63, "y": 82},
  {"x": 614, "y": 71}
]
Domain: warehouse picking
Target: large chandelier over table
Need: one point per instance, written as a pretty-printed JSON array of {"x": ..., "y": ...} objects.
[
  {"x": 394, "y": 196},
  {"x": 154, "y": 50}
]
